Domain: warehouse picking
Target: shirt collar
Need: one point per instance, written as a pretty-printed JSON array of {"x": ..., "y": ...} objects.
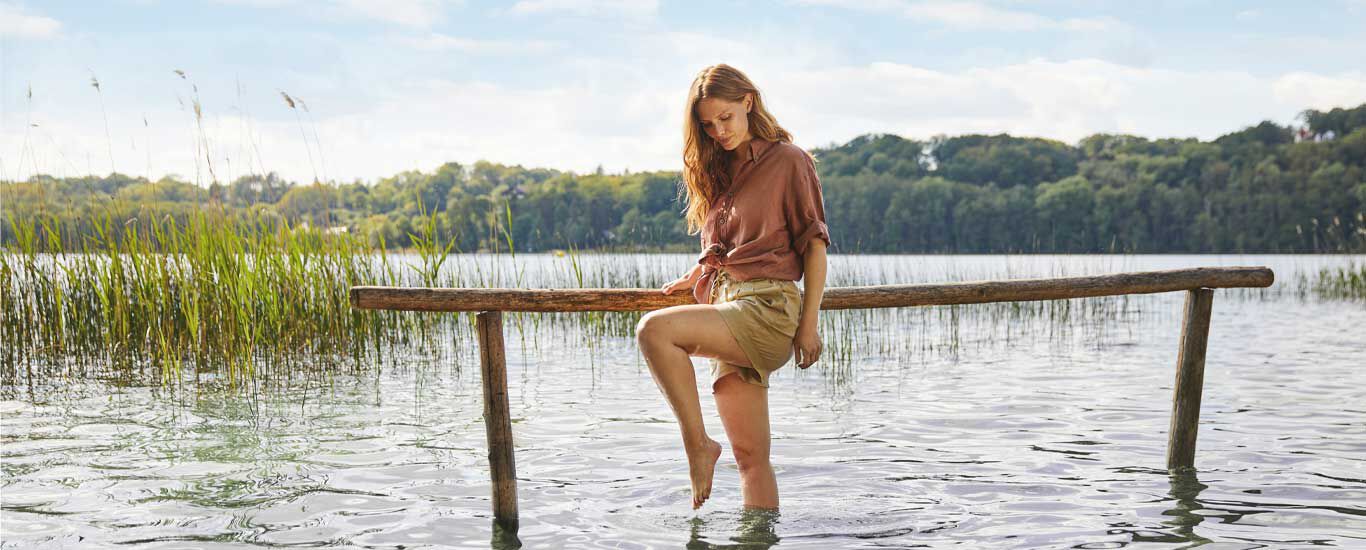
[{"x": 756, "y": 148}]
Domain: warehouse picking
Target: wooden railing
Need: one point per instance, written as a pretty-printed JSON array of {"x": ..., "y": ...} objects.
[{"x": 491, "y": 302}]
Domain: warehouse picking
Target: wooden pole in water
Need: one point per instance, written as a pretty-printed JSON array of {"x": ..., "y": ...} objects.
[
  {"x": 1190, "y": 379},
  {"x": 497, "y": 421}
]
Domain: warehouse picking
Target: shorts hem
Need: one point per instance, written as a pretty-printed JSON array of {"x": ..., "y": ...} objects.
[{"x": 721, "y": 369}]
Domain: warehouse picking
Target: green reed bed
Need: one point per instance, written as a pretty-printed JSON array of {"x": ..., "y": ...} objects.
[
  {"x": 217, "y": 299},
  {"x": 172, "y": 300},
  {"x": 1341, "y": 282}
]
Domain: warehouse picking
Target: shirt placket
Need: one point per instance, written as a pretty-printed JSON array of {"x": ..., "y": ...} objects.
[
  {"x": 722, "y": 217},
  {"x": 728, "y": 202}
]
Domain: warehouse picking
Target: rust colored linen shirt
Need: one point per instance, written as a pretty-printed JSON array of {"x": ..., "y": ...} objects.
[{"x": 763, "y": 224}]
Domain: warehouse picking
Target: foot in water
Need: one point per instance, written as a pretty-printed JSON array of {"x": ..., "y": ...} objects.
[{"x": 700, "y": 469}]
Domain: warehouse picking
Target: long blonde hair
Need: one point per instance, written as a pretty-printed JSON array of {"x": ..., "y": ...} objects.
[{"x": 705, "y": 175}]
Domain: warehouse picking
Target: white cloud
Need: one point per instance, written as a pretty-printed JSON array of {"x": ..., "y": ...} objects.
[
  {"x": 1064, "y": 100},
  {"x": 588, "y": 8},
  {"x": 15, "y": 22},
  {"x": 445, "y": 42},
  {"x": 626, "y": 112},
  {"x": 1320, "y": 91},
  {"x": 408, "y": 13},
  {"x": 417, "y": 126},
  {"x": 258, "y": 3},
  {"x": 971, "y": 15}
]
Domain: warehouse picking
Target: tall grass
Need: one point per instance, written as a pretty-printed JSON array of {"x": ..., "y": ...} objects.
[
  {"x": 205, "y": 299},
  {"x": 1341, "y": 282},
  {"x": 216, "y": 298}
]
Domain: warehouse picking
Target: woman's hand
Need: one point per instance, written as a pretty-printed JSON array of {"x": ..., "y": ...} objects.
[
  {"x": 806, "y": 345},
  {"x": 686, "y": 281}
]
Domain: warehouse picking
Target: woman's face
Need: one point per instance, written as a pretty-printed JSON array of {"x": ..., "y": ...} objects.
[{"x": 726, "y": 122}]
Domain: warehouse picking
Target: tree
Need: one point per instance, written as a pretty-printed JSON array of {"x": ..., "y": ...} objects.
[{"x": 1065, "y": 206}]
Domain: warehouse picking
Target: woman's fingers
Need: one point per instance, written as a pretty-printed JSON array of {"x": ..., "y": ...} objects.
[
  {"x": 806, "y": 357},
  {"x": 676, "y": 285}
]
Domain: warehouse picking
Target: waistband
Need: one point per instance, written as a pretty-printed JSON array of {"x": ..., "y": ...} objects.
[
  {"x": 723, "y": 279},
  {"x": 723, "y": 275}
]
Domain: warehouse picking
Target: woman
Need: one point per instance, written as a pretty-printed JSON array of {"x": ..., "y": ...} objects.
[{"x": 756, "y": 200}]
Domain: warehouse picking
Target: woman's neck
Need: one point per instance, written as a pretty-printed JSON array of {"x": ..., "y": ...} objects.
[{"x": 742, "y": 147}]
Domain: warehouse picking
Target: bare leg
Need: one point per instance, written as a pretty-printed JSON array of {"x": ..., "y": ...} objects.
[
  {"x": 744, "y": 413},
  {"x": 667, "y": 338}
]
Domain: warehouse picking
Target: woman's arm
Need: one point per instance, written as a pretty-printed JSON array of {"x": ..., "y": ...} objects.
[
  {"x": 807, "y": 342},
  {"x": 694, "y": 273},
  {"x": 813, "y": 282},
  {"x": 688, "y": 280}
]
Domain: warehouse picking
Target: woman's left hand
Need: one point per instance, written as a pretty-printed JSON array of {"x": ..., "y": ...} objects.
[{"x": 806, "y": 345}]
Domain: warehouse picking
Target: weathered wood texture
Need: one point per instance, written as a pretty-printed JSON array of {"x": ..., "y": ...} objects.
[
  {"x": 853, "y": 297},
  {"x": 497, "y": 420},
  {"x": 1190, "y": 379}
]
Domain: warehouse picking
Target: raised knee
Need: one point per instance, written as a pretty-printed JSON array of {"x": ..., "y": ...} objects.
[{"x": 647, "y": 327}]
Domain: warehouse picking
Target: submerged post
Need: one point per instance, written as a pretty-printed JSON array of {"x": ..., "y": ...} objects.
[
  {"x": 1190, "y": 379},
  {"x": 497, "y": 421}
]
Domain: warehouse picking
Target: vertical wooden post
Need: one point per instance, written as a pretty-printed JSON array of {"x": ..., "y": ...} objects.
[
  {"x": 497, "y": 421},
  {"x": 1190, "y": 379}
]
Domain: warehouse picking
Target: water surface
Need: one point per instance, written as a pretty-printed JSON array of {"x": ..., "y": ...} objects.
[{"x": 965, "y": 427}]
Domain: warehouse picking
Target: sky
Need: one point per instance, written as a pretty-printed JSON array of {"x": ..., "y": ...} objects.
[{"x": 395, "y": 85}]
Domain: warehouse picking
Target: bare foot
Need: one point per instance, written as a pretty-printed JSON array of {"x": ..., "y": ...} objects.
[{"x": 700, "y": 469}]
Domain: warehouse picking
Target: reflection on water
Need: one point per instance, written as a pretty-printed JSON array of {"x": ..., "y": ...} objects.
[
  {"x": 755, "y": 530},
  {"x": 1018, "y": 437},
  {"x": 1185, "y": 490}
]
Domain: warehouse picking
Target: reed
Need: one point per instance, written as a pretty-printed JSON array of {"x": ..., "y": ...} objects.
[
  {"x": 1341, "y": 282},
  {"x": 108, "y": 141},
  {"x": 208, "y": 298},
  {"x": 213, "y": 298}
]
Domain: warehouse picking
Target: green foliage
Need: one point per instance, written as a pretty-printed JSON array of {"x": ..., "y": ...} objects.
[
  {"x": 1254, "y": 190},
  {"x": 1067, "y": 206},
  {"x": 1004, "y": 160}
]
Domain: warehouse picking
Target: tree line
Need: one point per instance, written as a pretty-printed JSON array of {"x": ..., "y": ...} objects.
[{"x": 1266, "y": 188}]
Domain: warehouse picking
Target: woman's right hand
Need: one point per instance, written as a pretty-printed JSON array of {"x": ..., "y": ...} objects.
[{"x": 686, "y": 281}]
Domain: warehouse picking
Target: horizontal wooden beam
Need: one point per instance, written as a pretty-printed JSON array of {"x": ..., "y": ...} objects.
[{"x": 851, "y": 297}]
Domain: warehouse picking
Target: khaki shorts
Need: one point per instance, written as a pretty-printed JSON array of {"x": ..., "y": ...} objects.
[{"x": 762, "y": 314}]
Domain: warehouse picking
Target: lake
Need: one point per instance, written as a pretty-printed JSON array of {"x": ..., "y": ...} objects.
[{"x": 981, "y": 426}]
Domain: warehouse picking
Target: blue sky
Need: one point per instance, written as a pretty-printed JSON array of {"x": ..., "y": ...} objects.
[{"x": 571, "y": 84}]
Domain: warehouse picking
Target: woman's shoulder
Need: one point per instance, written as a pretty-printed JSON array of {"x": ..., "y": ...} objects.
[{"x": 787, "y": 151}]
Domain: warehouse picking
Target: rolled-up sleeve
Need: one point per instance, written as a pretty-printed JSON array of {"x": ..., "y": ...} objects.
[{"x": 804, "y": 207}]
